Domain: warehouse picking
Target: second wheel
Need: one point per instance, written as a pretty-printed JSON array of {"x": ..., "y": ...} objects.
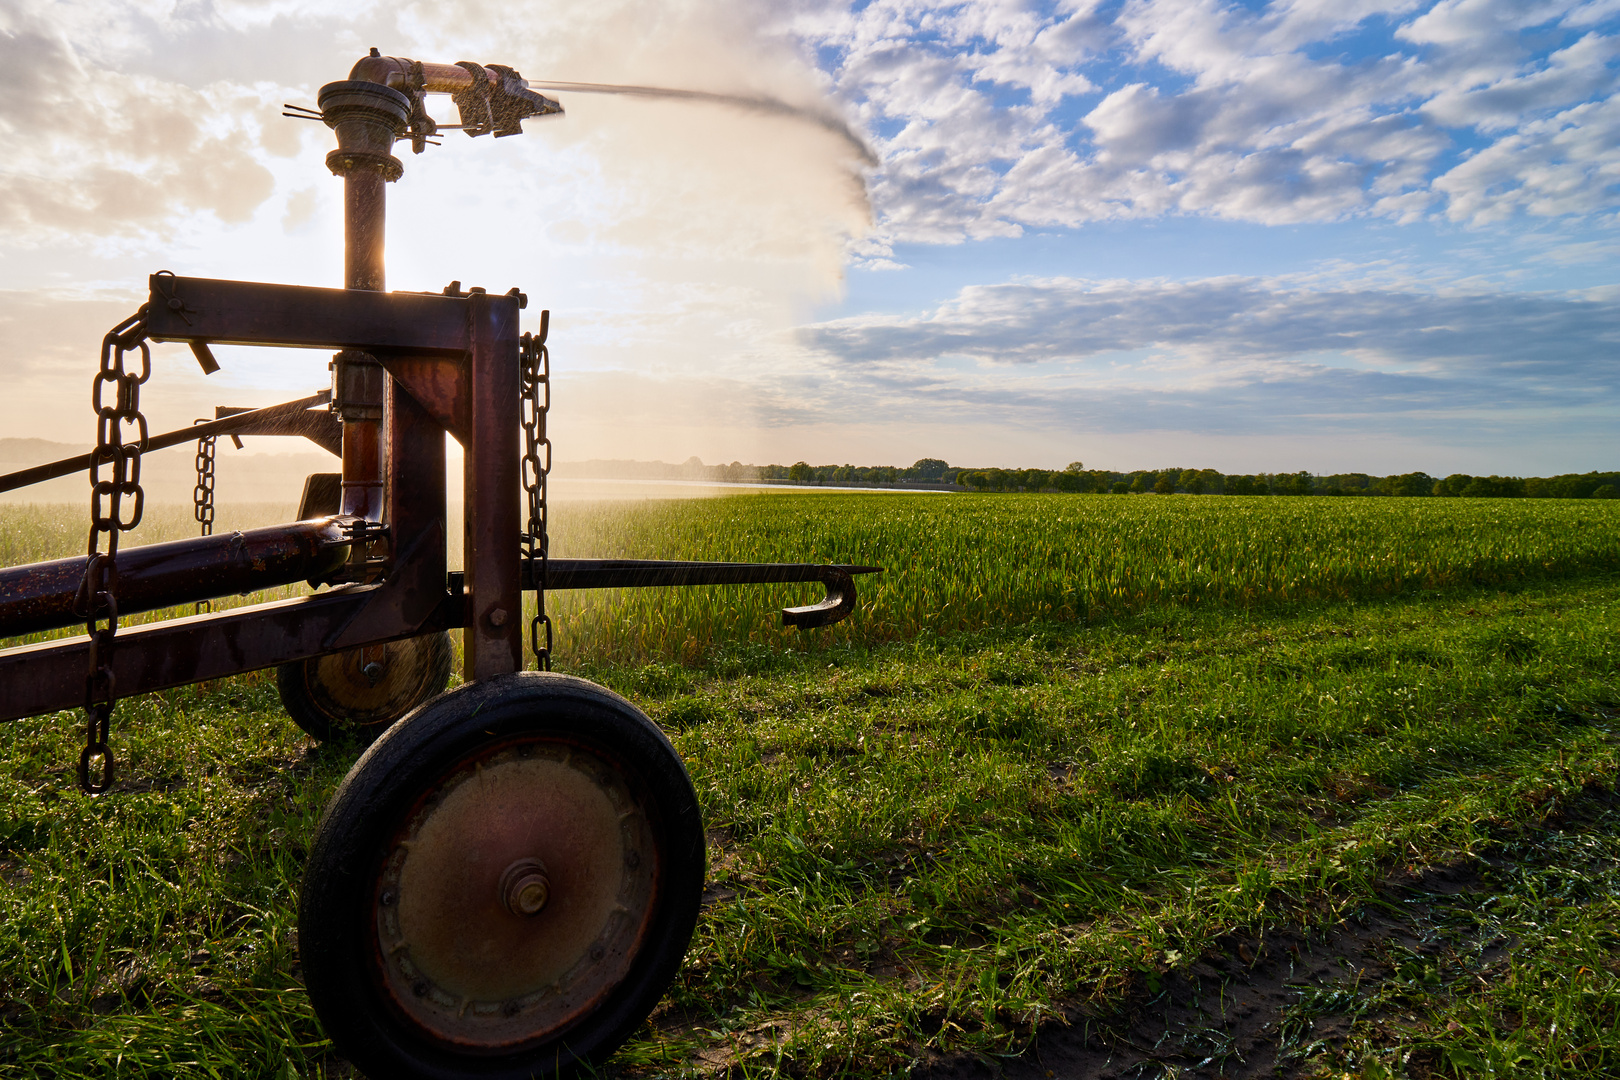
[{"x": 358, "y": 693}]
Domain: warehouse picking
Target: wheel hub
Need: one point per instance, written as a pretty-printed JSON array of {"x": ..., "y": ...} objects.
[
  {"x": 370, "y": 684},
  {"x": 524, "y": 887},
  {"x": 516, "y": 895}
]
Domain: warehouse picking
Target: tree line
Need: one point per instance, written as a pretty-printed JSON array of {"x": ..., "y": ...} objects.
[{"x": 1077, "y": 479}]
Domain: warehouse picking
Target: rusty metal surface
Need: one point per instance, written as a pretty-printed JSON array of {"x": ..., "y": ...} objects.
[
  {"x": 364, "y": 204},
  {"x": 45, "y": 596},
  {"x": 490, "y": 99},
  {"x": 647, "y": 573},
  {"x": 471, "y": 950},
  {"x": 493, "y": 525},
  {"x": 414, "y": 472},
  {"x": 374, "y": 684},
  {"x": 437, "y": 384},
  {"x": 535, "y": 356},
  {"x": 319, "y": 426},
  {"x": 43, "y": 678},
  {"x": 362, "y": 442},
  {"x": 238, "y": 422},
  {"x": 301, "y": 316}
]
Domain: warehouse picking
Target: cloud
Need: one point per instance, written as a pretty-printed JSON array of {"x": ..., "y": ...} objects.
[
  {"x": 94, "y": 149},
  {"x": 1239, "y": 353},
  {"x": 996, "y": 117}
]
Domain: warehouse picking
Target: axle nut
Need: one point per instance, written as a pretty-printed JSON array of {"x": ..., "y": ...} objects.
[
  {"x": 497, "y": 617},
  {"x": 524, "y": 887}
]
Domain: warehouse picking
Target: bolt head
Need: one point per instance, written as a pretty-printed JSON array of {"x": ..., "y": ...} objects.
[
  {"x": 532, "y": 895},
  {"x": 524, "y": 887}
]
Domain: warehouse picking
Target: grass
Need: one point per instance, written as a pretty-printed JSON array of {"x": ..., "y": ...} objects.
[
  {"x": 965, "y": 562},
  {"x": 932, "y": 839}
]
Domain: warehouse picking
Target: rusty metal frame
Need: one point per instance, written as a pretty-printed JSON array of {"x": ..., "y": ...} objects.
[
  {"x": 410, "y": 368},
  {"x": 463, "y": 379}
]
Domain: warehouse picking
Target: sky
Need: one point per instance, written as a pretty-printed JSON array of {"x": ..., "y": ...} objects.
[{"x": 1334, "y": 235}]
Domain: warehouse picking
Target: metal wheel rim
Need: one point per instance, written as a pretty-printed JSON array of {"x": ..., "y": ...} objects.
[
  {"x": 458, "y": 962},
  {"x": 339, "y": 686}
]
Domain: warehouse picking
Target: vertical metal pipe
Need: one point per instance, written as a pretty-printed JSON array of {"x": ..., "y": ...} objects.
[
  {"x": 494, "y": 631},
  {"x": 366, "y": 118},
  {"x": 365, "y": 201},
  {"x": 365, "y": 198}
]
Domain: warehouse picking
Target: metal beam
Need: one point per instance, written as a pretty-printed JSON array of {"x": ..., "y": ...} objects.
[
  {"x": 297, "y": 316},
  {"x": 44, "y": 678},
  {"x": 493, "y": 642}
]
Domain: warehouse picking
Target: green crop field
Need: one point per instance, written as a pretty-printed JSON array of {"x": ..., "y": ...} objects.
[{"x": 1151, "y": 786}]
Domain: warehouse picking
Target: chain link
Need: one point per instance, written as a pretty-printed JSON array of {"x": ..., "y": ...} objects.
[
  {"x": 536, "y": 465},
  {"x": 121, "y": 436},
  {"x": 202, "y": 495}
]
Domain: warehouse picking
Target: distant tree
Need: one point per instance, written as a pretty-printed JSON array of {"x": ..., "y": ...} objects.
[
  {"x": 1452, "y": 486},
  {"x": 800, "y": 472},
  {"x": 1494, "y": 487},
  {"x": 1240, "y": 485},
  {"x": 1410, "y": 485},
  {"x": 1606, "y": 491},
  {"x": 1035, "y": 479},
  {"x": 1299, "y": 483},
  {"x": 1583, "y": 486},
  {"x": 1165, "y": 484},
  {"x": 1192, "y": 482},
  {"x": 1075, "y": 467},
  {"x": 1141, "y": 482},
  {"x": 1213, "y": 481},
  {"x": 928, "y": 468},
  {"x": 1121, "y": 488}
]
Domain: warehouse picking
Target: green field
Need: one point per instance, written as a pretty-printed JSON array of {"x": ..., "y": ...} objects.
[{"x": 1182, "y": 784}]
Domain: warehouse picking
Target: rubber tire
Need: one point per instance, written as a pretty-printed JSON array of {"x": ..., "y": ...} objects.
[
  {"x": 325, "y": 720},
  {"x": 336, "y": 928}
]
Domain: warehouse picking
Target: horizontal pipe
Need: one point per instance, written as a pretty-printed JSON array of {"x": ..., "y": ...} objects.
[
  {"x": 238, "y": 422},
  {"x": 45, "y": 596},
  {"x": 839, "y": 581},
  {"x": 395, "y": 72},
  {"x": 645, "y": 573}
]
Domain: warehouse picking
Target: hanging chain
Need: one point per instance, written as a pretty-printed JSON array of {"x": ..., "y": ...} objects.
[
  {"x": 536, "y": 464},
  {"x": 202, "y": 495},
  {"x": 120, "y": 438}
]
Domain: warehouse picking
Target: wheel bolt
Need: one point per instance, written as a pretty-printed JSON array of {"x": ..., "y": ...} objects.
[{"x": 524, "y": 887}]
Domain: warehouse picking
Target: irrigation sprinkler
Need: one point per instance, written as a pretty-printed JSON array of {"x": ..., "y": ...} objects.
[{"x": 507, "y": 880}]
